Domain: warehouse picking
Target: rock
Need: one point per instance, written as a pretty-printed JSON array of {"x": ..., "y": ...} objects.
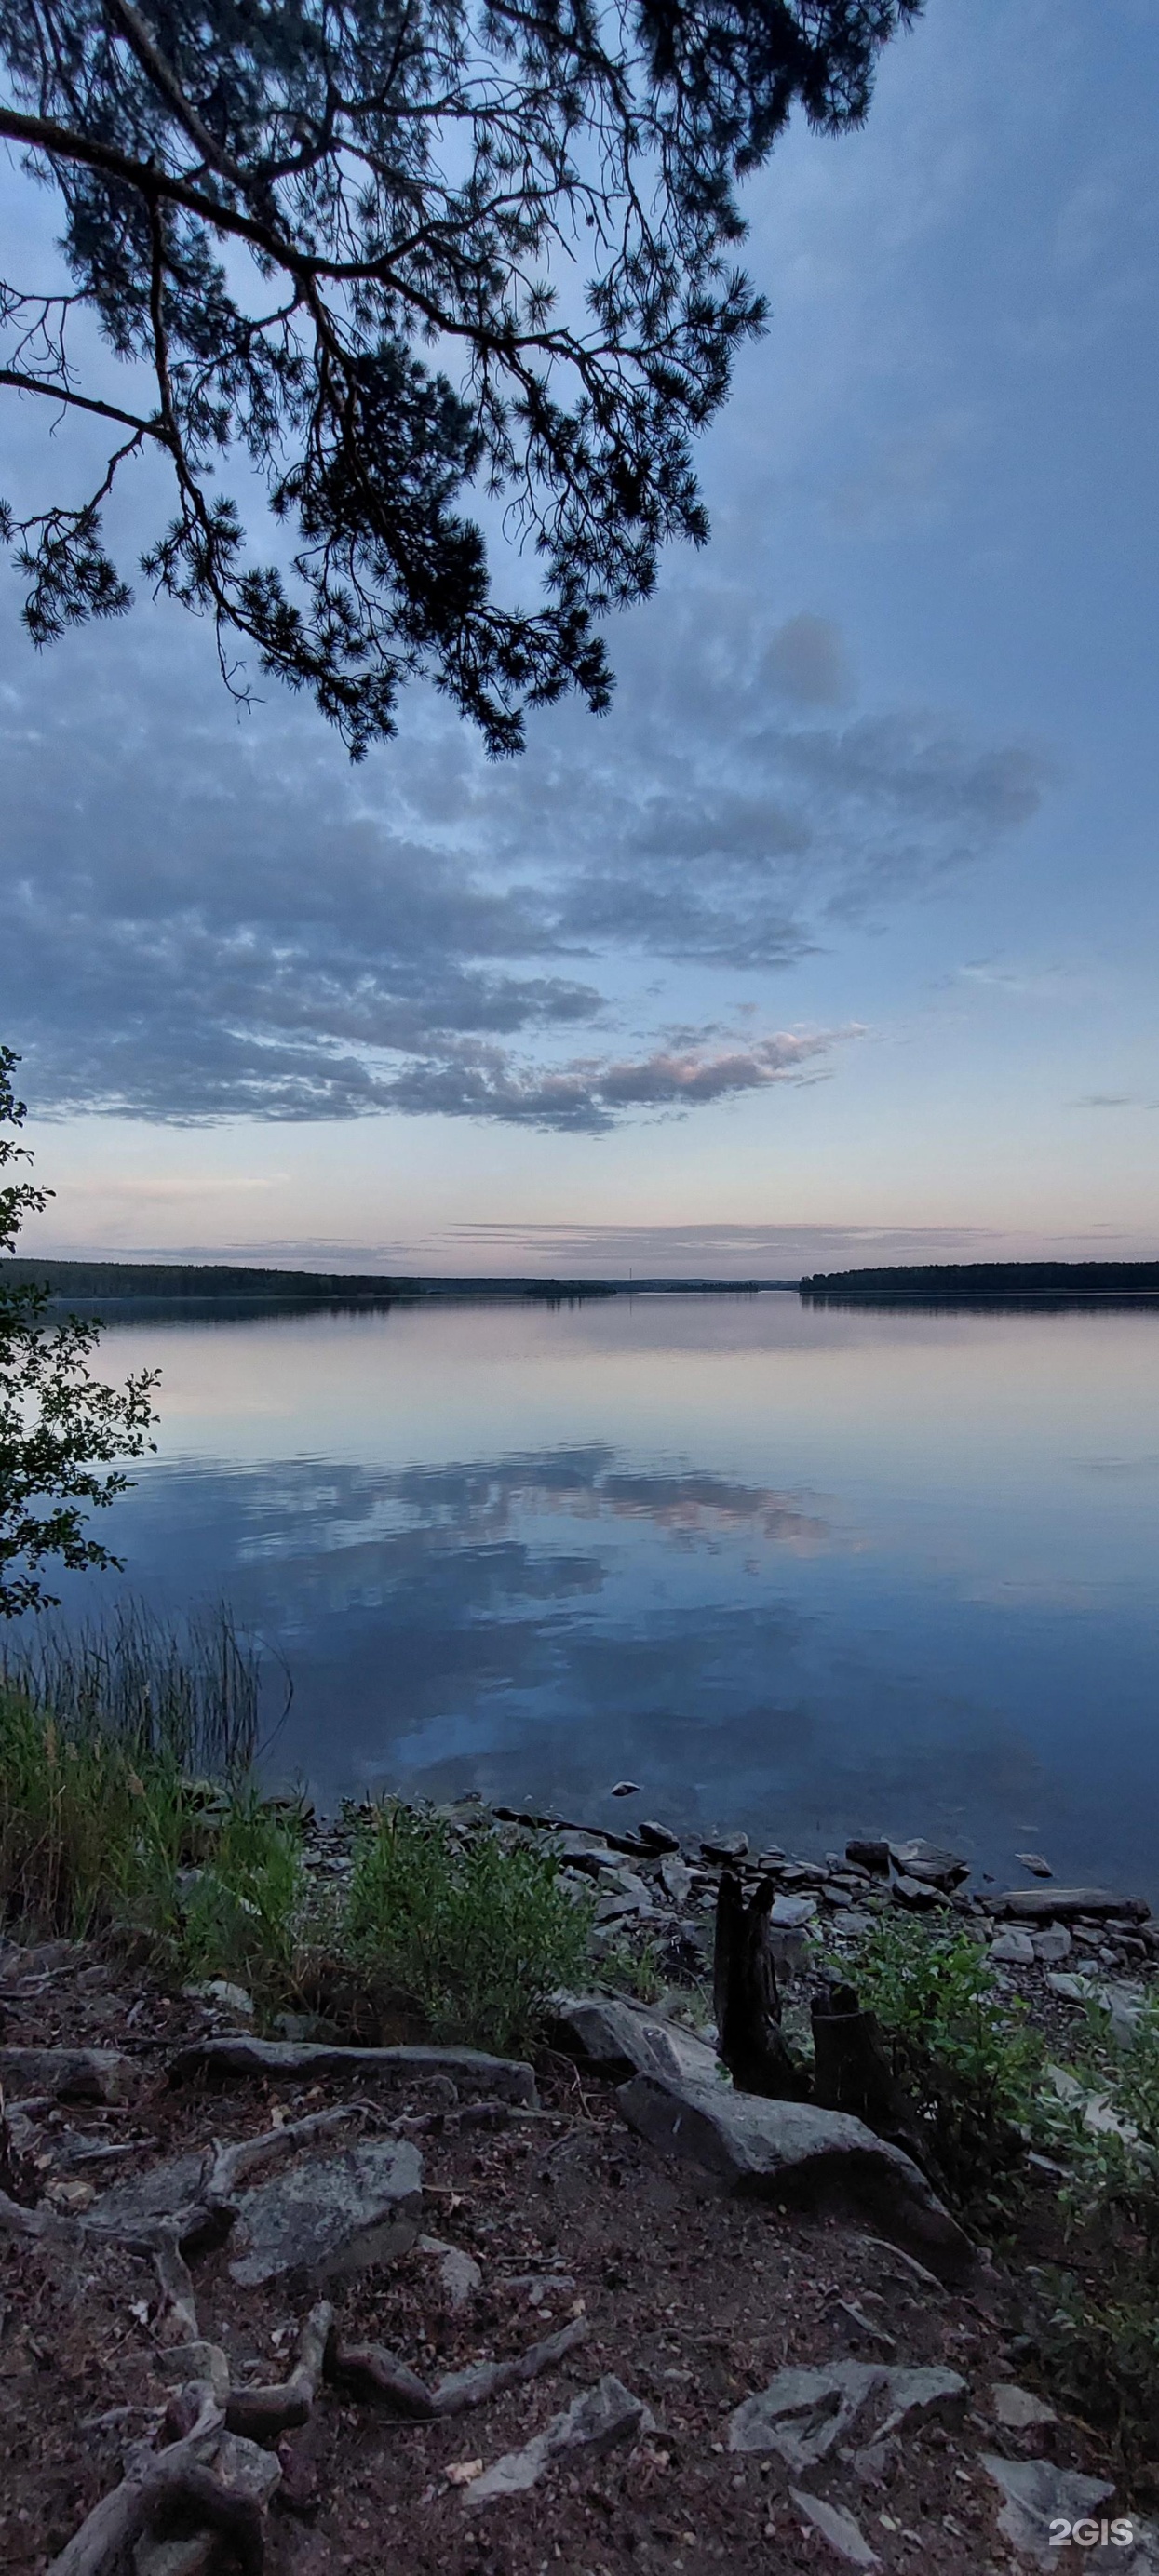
[
  {"x": 658, "y": 1838},
  {"x": 927, "y": 1862},
  {"x": 70, "y": 2074},
  {"x": 506, "y": 2079},
  {"x": 1034, "y": 1861},
  {"x": 618, "y": 2038},
  {"x": 791, "y": 1913},
  {"x": 1052, "y": 1945},
  {"x": 459, "y": 2272},
  {"x": 803, "y": 2415},
  {"x": 178, "y": 2363},
  {"x": 594, "y": 2423},
  {"x": 331, "y": 2216},
  {"x": 134, "y": 2205},
  {"x": 1095, "y": 2108},
  {"x": 249, "y": 2470},
  {"x": 1019, "y": 2408},
  {"x": 914, "y": 1892},
  {"x": 792, "y": 2151},
  {"x": 838, "y": 2528},
  {"x": 228, "y": 1998},
  {"x": 588, "y": 1852},
  {"x": 675, "y": 1878},
  {"x": 1012, "y": 1950},
  {"x": 1123, "y": 2003},
  {"x": 1061, "y": 1904},
  {"x": 873, "y": 1856},
  {"x": 175, "y": 2557},
  {"x": 724, "y": 1847},
  {"x": 1039, "y": 2495},
  {"x": 626, "y": 1789},
  {"x": 789, "y": 1950}
]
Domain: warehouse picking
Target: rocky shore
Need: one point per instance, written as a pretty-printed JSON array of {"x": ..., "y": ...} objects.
[{"x": 283, "y": 2302}]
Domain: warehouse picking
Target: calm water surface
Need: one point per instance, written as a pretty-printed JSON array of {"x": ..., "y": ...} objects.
[{"x": 808, "y": 1571}]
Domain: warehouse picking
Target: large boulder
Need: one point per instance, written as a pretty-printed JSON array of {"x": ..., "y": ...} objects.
[
  {"x": 617, "y": 2038},
  {"x": 330, "y": 2216},
  {"x": 795, "y": 2153}
]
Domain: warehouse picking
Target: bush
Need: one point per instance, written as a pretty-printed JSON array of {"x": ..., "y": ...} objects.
[
  {"x": 1098, "y": 2326},
  {"x": 962, "y": 2051},
  {"x": 471, "y": 1937}
]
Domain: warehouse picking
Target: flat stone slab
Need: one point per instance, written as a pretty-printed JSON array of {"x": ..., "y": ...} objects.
[
  {"x": 792, "y": 2151},
  {"x": 142, "y": 2199},
  {"x": 71, "y": 2074},
  {"x": 845, "y": 2537},
  {"x": 803, "y": 2415},
  {"x": 621, "y": 2039},
  {"x": 330, "y": 2216},
  {"x": 594, "y": 2423},
  {"x": 506, "y": 2079},
  {"x": 1061, "y": 1904}
]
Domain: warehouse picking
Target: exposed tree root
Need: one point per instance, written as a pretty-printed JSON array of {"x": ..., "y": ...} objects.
[
  {"x": 370, "y": 2371},
  {"x": 263, "y": 2413},
  {"x": 163, "y": 2482}
]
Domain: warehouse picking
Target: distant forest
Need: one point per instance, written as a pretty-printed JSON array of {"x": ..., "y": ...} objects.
[
  {"x": 199, "y": 1279},
  {"x": 923, "y": 1281}
]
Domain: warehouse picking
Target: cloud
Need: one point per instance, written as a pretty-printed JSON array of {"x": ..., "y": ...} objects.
[
  {"x": 207, "y": 918},
  {"x": 805, "y": 660}
]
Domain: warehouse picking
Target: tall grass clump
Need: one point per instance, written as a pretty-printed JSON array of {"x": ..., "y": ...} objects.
[
  {"x": 102, "y": 1736},
  {"x": 470, "y": 1937}
]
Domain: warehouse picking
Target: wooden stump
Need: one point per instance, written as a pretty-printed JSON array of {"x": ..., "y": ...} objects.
[
  {"x": 852, "y": 2072},
  {"x": 748, "y": 2006}
]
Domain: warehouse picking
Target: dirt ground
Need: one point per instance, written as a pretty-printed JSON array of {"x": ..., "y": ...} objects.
[{"x": 693, "y": 2300}]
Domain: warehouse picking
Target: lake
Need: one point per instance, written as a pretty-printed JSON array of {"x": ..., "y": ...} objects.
[{"x": 809, "y": 1570}]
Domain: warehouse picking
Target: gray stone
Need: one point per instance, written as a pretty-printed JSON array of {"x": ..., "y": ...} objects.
[
  {"x": 929, "y": 1863},
  {"x": 619, "y": 2038},
  {"x": 159, "y": 2193},
  {"x": 803, "y": 2415},
  {"x": 1052, "y": 1945},
  {"x": 228, "y": 1998},
  {"x": 873, "y": 1856},
  {"x": 626, "y": 1789},
  {"x": 507, "y": 2079},
  {"x": 725, "y": 1846},
  {"x": 1037, "y": 2495},
  {"x": 1013, "y": 1950},
  {"x": 594, "y": 2423},
  {"x": 1061, "y": 1904},
  {"x": 676, "y": 1878},
  {"x": 188, "y": 2557},
  {"x": 793, "y": 2151},
  {"x": 1122, "y": 2003},
  {"x": 588, "y": 1852},
  {"x": 459, "y": 2272},
  {"x": 248, "y": 2469},
  {"x": 791, "y": 1913},
  {"x": 914, "y": 1892},
  {"x": 1018, "y": 2408},
  {"x": 1034, "y": 1862},
  {"x": 331, "y": 2215},
  {"x": 659, "y": 1838},
  {"x": 837, "y": 2527},
  {"x": 71, "y": 2074}
]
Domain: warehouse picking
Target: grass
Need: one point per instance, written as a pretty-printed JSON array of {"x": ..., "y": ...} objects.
[
  {"x": 130, "y": 1803},
  {"x": 471, "y": 1936}
]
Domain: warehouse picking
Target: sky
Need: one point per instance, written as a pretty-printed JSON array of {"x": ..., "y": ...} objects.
[{"x": 835, "y": 940}]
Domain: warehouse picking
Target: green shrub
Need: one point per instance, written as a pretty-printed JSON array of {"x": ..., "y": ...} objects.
[
  {"x": 1097, "y": 2326},
  {"x": 960, "y": 2047},
  {"x": 471, "y": 1937}
]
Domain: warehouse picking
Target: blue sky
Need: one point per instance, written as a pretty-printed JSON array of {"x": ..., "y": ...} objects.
[{"x": 836, "y": 939}]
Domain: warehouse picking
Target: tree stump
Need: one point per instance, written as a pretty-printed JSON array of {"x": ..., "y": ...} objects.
[
  {"x": 744, "y": 1987},
  {"x": 852, "y": 2072}
]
